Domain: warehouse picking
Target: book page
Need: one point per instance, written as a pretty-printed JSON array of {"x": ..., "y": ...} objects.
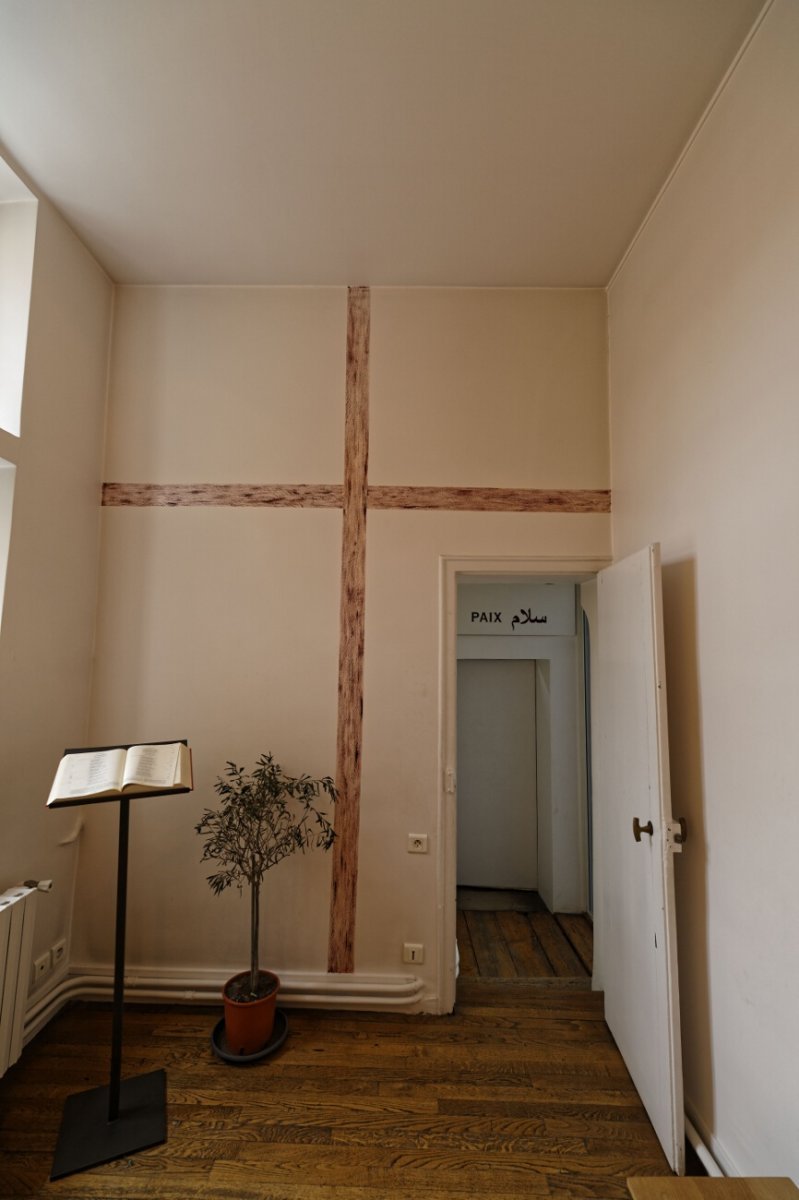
[
  {"x": 152, "y": 766},
  {"x": 88, "y": 774}
]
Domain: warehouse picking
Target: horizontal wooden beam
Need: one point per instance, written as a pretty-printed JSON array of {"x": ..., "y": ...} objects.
[
  {"x": 223, "y": 495},
  {"x": 331, "y": 495},
  {"x": 480, "y": 499}
]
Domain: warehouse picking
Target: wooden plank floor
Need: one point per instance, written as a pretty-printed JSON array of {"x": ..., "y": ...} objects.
[
  {"x": 520, "y": 1093},
  {"x": 508, "y": 944}
]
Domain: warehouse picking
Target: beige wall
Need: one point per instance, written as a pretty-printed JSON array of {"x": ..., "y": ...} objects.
[
  {"x": 704, "y": 360},
  {"x": 227, "y": 385},
  {"x": 51, "y": 586},
  {"x": 218, "y": 625},
  {"x": 489, "y": 387},
  {"x": 221, "y": 625}
]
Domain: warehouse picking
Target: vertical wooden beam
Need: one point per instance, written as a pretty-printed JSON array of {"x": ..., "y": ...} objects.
[{"x": 350, "y": 681}]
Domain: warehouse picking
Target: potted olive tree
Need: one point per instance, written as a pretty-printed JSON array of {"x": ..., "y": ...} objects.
[{"x": 263, "y": 817}]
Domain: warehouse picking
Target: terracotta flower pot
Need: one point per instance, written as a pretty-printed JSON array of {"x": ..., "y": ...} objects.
[{"x": 249, "y": 1023}]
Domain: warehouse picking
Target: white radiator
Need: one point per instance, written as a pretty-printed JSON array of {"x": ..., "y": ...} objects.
[{"x": 17, "y": 916}]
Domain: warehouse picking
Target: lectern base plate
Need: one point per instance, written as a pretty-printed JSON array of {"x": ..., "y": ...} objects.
[{"x": 87, "y": 1138}]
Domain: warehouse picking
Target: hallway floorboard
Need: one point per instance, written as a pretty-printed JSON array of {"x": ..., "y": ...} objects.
[{"x": 511, "y": 935}]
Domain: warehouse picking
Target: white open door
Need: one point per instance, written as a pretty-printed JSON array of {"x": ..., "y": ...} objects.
[{"x": 635, "y": 930}]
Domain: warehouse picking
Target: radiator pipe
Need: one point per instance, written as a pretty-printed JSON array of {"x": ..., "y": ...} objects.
[
  {"x": 73, "y": 837},
  {"x": 702, "y": 1153},
  {"x": 300, "y": 994}
]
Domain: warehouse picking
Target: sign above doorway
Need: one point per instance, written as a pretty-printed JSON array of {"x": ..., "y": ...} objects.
[{"x": 514, "y": 609}]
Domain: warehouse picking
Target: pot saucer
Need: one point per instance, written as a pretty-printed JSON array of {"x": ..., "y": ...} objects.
[{"x": 221, "y": 1050}]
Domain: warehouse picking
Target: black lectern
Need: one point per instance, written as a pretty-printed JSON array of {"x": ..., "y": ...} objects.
[{"x": 128, "y": 1114}]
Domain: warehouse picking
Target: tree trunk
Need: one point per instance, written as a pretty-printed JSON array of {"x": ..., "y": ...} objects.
[{"x": 254, "y": 932}]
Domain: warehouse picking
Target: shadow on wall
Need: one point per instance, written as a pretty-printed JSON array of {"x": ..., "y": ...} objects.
[{"x": 688, "y": 800}]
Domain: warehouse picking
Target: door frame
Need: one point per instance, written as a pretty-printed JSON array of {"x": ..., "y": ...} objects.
[{"x": 451, "y": 569}]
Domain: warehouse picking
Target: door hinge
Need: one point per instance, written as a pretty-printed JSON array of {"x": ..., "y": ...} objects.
[
  {"x": 449, "y": 781},
  {"x": 676, "y": 833}
]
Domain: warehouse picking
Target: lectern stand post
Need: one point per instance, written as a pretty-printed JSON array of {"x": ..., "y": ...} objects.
[
  {"x": 115, "y": 1080},
  {"x": 126, "y": 1115}
]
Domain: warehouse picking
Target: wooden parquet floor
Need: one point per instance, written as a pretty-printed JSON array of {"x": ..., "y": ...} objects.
[{"x": 520, "y": 1093}]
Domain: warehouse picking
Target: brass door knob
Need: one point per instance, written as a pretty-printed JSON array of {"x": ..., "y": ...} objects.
[{"x": 638, "y": 829}]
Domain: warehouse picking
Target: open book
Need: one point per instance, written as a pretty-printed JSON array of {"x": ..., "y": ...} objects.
[{"x": 90, "y": 774}]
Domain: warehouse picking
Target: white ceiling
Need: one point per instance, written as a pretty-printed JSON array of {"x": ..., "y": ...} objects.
[{"x": 418, "y": 142}]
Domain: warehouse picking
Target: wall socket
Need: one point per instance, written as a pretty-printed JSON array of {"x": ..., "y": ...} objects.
[
  {"x": 417, "y": 843},
  {"x": 47, "y": 962},
  {"x": 41, "y": 967},
  {"x": 413, "y": 952}
]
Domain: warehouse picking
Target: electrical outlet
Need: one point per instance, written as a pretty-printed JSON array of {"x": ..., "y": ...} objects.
[
  {"x": 58, "y": 950},
  {"x": 41, "y": 967},
  {"x": 413, "y": 952},
  {"x": 417, "y": 843}
]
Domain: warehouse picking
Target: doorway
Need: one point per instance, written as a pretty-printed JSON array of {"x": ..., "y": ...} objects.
[
  {"x": 515, "y": 938},
  {"x": 504, "y": 928}
]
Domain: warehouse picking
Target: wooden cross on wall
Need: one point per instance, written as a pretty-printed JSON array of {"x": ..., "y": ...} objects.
[{"x": 354, "y": 497}]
